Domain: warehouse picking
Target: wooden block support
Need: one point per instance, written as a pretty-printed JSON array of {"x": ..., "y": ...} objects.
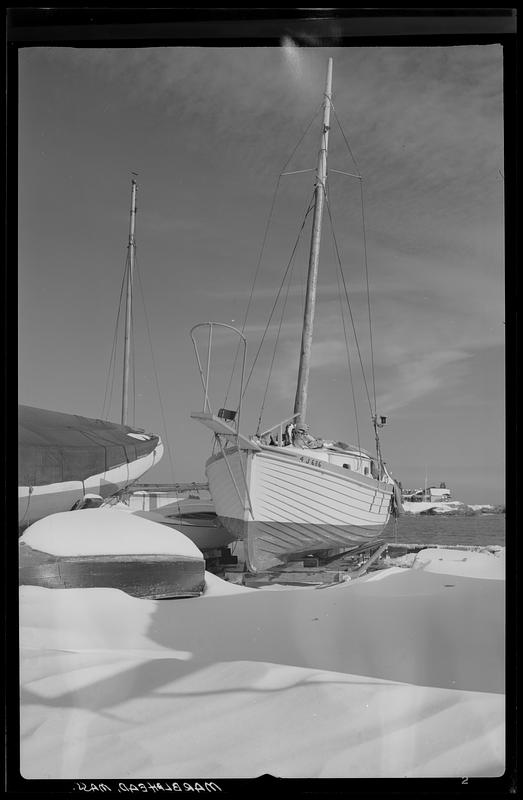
[{"x": 304, "y": 577}]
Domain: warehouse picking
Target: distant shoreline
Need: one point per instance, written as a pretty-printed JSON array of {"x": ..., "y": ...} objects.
[{"x": 451, "y": 508}]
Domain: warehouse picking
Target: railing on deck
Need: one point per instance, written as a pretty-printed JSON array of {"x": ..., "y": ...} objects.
[
  {"x": 168, "y": 487},
  {"x": 280, "y": 426}
]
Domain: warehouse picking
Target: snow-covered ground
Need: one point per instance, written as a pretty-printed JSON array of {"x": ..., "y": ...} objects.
[{"x": 399, "y": 673}]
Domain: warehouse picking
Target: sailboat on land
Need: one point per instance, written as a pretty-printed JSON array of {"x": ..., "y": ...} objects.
[
  {"x": 280, "y": 493},
  {"x": 64, "y": 457}
]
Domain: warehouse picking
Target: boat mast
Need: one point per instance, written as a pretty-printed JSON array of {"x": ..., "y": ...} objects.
[
  {"x": 300, "y": 403},
  {"x": 128, "y": 316}
]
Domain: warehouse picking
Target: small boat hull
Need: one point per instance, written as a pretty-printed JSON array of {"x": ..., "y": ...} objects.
[
  {"x": 148, "y": 576},
  {"x": 285, "y": 501},
  {"x": 102, "y": 548},
  {"x": 196, "y": 519}
]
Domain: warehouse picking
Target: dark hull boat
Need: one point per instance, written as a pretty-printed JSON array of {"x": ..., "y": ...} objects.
[
  {"x": 63, "y": 457},
  {"x": 104, "y": 548},
  {"x": 196, "y": 519}
]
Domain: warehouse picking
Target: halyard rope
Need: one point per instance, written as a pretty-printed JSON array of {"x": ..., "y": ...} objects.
[
  {"x": 309, "y": 208},
  {"x": 167, "y": 444},
  {"x": 112, "y": 360},
  {"x": 365, "y": 253},
  {"x": 264, "y": 241}
]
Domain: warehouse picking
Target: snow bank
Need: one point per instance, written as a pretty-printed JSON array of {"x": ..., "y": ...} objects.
[
  {"x": 473, "y": 564},
  {"x": 216, "y": 587},
  {"x": 396, "y": 674},
  {"x": 462, "y": 562},
  {"x": 96, "y": 531}
]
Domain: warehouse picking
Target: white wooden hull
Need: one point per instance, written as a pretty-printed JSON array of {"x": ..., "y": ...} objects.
[{"x": 281, "y": 505}]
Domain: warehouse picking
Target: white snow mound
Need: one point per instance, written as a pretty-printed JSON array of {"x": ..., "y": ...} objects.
[
  {"x": 396, "y": 675},
  {"x": 96, "y": 531},
  {"x": 215, "y": 587},
  {"x": 461, "y": 562}
]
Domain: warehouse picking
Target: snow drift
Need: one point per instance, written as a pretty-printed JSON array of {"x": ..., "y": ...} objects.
[{"x": 396, "y": 674}]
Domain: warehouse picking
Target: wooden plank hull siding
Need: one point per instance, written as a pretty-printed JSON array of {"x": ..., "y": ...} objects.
[
  {"x": 280, "y": 505},
  {"x": 147, "y": 576},
  {"x": 270, "y": 544}
]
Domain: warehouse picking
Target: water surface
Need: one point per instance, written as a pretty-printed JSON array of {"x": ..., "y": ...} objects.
[{"x": 478, "y": 529}]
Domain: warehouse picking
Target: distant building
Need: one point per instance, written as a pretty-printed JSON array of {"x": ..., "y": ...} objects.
[{"x": 432, "y": 494}]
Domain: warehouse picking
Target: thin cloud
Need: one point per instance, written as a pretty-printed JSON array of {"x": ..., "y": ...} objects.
[
  {"x": 408, "y": 367},
  {"x": 416, "y": 378},
  {"x": 293, "y": 57}
]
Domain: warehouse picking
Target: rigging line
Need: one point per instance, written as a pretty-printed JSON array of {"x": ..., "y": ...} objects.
[
  {"x": 274, "y": 351},
  {"x": 30, "y": 492},
  {"x": 110, "y": 369},
  {"x": 365, "y": 256},
  {"x": 112, "y": 360},
  {"x": 167, "y": 444},
  {"x": 368, "y": 294},
  {"x": 264, "y": 241},
  {"x": 349, "y": 361},
  {"x": 115, "y": 339},
  {"x": 348, "y": 301},
  {"x": 310, "y": 207},
  {"x": 114, "y": 365},
  {"x": 269, "y": 219},
  {"x": 133, "y": 366},
  {"x": 304, "y": 134},
  {"x": 346, "y": 140}
]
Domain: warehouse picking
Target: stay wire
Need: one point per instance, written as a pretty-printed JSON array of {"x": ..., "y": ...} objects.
[
  {"x": 133, "y": 366},
  {"x": 167, "y": 444},
  {"x": 348, "y": 301},
  {"x": 349, "y": 365},
  {"x": 365, "y": 253},
  {"x": 302, "y": 137},
  {"x": 368, "y": 295},
  {"x": 112, "y": 360},
  {"x": 310, "y": 207},
  {"x": 269, "y": 220},
  {"x": 111, "y": 366},
  {"x": 264, "y": 241},
  {"x": 262, "y": 408},
  {"x": 345, "y": 140}
]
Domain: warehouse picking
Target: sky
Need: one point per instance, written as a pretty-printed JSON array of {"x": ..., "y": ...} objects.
[{"x": 209, "y": 130}]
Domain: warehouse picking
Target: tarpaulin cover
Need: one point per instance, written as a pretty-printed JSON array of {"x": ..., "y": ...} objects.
[{"x": 54, "y": 447}]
